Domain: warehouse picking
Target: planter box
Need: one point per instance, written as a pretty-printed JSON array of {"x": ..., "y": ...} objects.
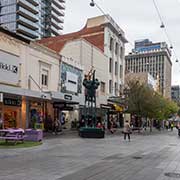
[
  {"x": 88, "y": 132},
  {"x": 33, "y": 135}
]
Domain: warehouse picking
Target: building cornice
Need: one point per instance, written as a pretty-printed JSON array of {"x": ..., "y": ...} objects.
[{"x": 140, "y": 55}]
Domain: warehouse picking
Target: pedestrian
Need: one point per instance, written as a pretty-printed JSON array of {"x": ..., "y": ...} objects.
[
  {"x": 56, "y": 126},
  {"x": 111, "y": 124},
  {"x": 172, "y": 126},
  {"x": 167, "y": 125},
  {"x": 48, "y": 123},
  {"x": 127, "y": 130},
  {"x": 99, "y": 125}
]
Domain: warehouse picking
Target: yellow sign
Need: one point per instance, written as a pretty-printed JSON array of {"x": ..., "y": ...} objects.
[{"x": 118, "y": 108}]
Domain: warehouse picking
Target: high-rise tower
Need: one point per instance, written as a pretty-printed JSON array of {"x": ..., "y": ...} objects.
[
  {"x": 33, "y": 19},
  {"x": 153, "y": 58}
]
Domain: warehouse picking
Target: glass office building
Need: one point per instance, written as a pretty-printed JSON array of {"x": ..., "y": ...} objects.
[{"x": 33, "y": 19}]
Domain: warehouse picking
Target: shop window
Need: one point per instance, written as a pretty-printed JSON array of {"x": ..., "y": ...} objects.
[{"x": 103, "y": 87}]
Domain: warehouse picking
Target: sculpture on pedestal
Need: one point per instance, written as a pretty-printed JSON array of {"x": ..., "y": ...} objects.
[{"x": 91, "y": 84}]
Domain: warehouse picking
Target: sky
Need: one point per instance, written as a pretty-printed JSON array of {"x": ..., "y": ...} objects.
[{"x": 137, "y": 18}]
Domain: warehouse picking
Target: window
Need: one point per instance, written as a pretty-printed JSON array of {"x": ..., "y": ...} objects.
[
  {"x": 116, "y": 88},
  {"x": 116, "y": 68},
  {"x": 116, "y": 48},
  {"x": 44, "y": 78},
  {"x": 110, "y": 86},
  {"x": 111, "y": 44},
  {"x": 120, "y": 71},
  {"x": 102, "y": 87},
  {"x": 110, "y": 65},
  {"x": 121, "y": 52}
]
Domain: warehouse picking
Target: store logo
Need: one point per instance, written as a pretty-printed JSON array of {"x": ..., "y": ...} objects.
[
  {"x": 68, "y": 97},
  {"x": 7, "y": 67}
]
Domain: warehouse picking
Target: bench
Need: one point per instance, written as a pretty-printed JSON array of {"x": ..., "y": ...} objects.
[{"x": 14, "y": 138}]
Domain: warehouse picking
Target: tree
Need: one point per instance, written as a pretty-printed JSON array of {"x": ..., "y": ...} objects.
[
  {"x": 144, "y": 102},
  {"x": 178, "y": 113}
]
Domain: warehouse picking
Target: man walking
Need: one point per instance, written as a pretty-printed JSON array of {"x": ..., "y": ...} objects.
[{"x": 127, "y": 130}]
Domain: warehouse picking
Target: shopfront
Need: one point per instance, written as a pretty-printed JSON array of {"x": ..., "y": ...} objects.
[{"x": 10, "y": 110}]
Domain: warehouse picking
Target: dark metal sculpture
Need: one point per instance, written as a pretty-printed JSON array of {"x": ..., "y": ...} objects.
[{"x": 91, "y": 84}]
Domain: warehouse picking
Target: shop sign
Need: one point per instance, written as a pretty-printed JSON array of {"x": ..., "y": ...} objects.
[
  {"x": 67, "y": 108},
  {"x": 9, "y": 68},
  {"x": 68, "y": 97},
  {"x": 12, "y": 102},
  {"x": 71, "y": 82},
  {"x": 58, "y": 105},
  {"x": 62, "y": 106}
]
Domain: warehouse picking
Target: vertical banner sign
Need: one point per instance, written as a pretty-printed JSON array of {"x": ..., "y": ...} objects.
[{"x": 1, "y": 97}]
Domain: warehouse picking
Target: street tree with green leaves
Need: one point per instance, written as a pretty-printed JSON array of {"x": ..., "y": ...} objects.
[{"x": 145, "y": 102}]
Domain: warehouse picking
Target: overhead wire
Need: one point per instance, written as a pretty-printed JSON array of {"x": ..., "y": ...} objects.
[
  {"x": 158, "y": 12},
  {"x": 93, "y": 3},
  {"x": 165, "y": 29}
]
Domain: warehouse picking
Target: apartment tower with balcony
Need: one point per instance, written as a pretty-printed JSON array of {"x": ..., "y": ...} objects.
[{"x": 33, "y": 19}]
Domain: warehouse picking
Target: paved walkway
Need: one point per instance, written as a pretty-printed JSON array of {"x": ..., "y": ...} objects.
[{"x": 146, "y": 157}]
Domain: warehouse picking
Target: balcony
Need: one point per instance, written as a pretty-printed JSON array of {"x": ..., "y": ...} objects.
[
  {"x": 58, "y": 26},
  {"x": 57, "y": 10},
  {"x": 63, "y": 1},
  {"x": 56, "y": 17},
  {"x": 27, "y": 14},
  {"x": 27, "y": 23},
  {"x": 27, "y": 32},
  {"x": 59, "y": 4},
  {"x": 55, "y": 31},
  {"x": 33, "y": 2},
  {"x": 25, "y": 4}
]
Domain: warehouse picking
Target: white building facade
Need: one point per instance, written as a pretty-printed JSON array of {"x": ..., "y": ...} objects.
[
  {"x": 114, "y": 49},
  {"x": 90, "y": 57},
  {"x": 29, "y": 76}
]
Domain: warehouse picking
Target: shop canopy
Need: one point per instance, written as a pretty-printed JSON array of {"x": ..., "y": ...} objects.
[{"x": 23, "y": 92}]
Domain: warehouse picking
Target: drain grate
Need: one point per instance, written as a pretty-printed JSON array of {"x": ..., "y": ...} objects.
[
  {"x": 137, "y": 157},
  {"x": 172, "y": 175}
]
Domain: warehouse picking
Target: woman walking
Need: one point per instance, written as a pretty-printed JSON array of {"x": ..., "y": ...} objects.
[{"x": 127, "y": 130}]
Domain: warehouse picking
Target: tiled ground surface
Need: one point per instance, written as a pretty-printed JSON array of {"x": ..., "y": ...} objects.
[{"x": 146, "y": 157}]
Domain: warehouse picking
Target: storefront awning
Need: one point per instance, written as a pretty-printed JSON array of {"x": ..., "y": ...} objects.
[
  {"x": 24, "y": 92},
  {"x": 68, "y": 98},
  {"x": 118, "y": 108}
]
